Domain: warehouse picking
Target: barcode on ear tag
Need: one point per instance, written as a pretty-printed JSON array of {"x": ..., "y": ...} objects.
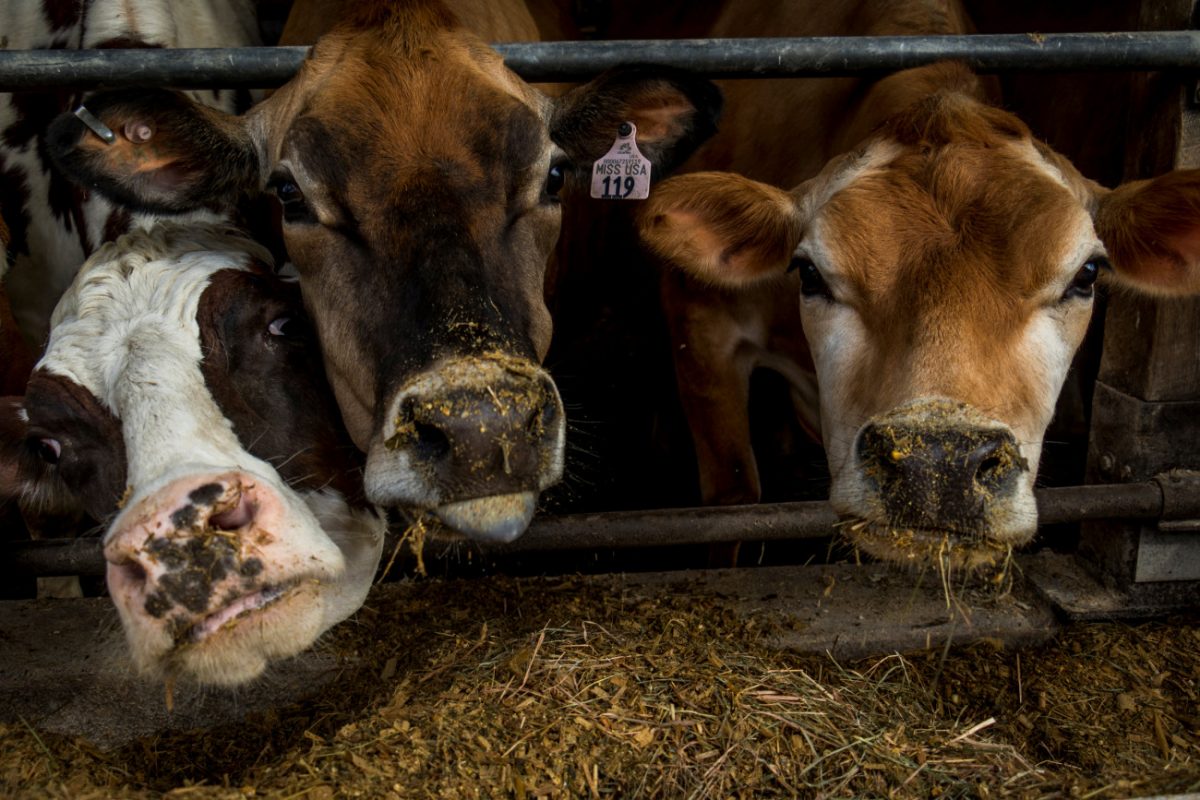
[{"x": 622, "y": 173}]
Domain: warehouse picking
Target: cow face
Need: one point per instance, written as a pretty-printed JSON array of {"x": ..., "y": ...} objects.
[
  {"x": 419, "y": 182},
  {"x": 946, "y": 273},
  {"x": 181, "y": 402}
]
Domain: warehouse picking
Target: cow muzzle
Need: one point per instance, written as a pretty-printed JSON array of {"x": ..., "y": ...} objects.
[
  {"x": 936, "y": 480},
  {"x": 474, "y": 440},
  {"x": 211, "y": 580}
]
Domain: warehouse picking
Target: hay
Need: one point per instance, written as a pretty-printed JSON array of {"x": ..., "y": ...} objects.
[{"x": 563, "y": 688}]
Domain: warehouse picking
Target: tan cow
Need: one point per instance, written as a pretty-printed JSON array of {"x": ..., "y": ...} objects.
[
  {"x": 419, "y": 181},
  {"x": 780, "y": 132},
  {"x": 944, "y": 271}
]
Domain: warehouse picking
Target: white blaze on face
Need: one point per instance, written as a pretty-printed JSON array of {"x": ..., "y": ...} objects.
[{"x": 127, "y": 331}]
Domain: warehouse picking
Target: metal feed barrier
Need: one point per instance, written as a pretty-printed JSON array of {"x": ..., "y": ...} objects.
[
  {"x": 1172, "y": 500},
  {"x": 824, "y": 56},
  {"x": 1169, "y": 498}
]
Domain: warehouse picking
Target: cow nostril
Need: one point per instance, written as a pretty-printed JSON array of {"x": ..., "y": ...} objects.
[
  {"x": 431, "y": 442},
  {"x": 133, "y": 572},
  {"x": 232, "y": 519},
  {"x": 988, "y": 466}
]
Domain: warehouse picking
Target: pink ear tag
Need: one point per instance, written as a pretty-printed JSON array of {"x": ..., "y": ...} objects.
[{"x": 622, "y": 173}]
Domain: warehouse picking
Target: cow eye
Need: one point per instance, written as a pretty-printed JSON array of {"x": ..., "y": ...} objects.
[
  {"x": 555, "y": 178},
  {"x": 47, "y": 449},
  {"x": 287, "y": 327},
  {"x": 811, "y": 282},
  {"x": 295, "y": 209},
  {"x": 1084, "y": 283}
]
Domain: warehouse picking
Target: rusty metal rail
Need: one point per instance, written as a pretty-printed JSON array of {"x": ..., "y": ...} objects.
[
  {"x": 262, "y": 67},
  {"x": 631, "y": 529}
]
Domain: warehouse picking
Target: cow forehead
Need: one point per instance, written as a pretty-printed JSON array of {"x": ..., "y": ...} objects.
[
  {"x": 408, "y": 96},
  {"x": 135, "y": 300},
  {"x": 938, "y": 225}
]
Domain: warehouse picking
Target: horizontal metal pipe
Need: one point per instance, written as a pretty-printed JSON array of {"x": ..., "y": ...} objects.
[
  {"x": 630, "y": 529},
  {"x": 264, "y": 67}
]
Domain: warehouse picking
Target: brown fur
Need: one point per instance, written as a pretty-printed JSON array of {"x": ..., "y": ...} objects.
[
  {"x": 779, "y": 132},
  {"x": 749, "y": 224},
  {"x": 1151, "y": 232},
  {"x": 952, "y": 259},
  {"x": 420, "y": 186}
]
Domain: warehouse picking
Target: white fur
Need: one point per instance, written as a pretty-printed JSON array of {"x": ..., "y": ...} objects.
[{"x": 126, "y": 331}]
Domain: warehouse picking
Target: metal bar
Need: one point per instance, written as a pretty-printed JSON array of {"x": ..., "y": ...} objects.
[
  {"x": 567, "y": 61},
  {"x": 630, "y": 529}
]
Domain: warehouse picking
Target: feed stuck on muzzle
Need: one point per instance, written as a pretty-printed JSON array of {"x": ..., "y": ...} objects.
[
  {"x": 934, "y": 470},
  {"x": 483, "y": 435}
]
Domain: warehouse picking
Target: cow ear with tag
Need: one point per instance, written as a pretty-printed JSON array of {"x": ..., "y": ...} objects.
[
  {"x": 721, "y": 228},
  {"x": 157, "y": 151},
  {"x": 673, "y": 111}
]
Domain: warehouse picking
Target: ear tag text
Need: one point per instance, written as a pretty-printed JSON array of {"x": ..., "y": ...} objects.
[
  {"x": 622, "y": 173},
  {"x": 97, "y": 127}
]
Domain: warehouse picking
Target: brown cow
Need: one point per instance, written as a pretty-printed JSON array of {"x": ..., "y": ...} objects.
[
  {"x": 781, "y": 132},
  {"x": 945, "y": 269},
  {"x": 419, "y": 180}
]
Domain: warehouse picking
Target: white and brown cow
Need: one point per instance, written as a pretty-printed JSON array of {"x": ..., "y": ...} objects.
[
  {"x": 419, "y": 180},
  {"x": 181, "y": 401},
  {"x": 54, "y": 225},
  {"x": 944, "y": 270}
]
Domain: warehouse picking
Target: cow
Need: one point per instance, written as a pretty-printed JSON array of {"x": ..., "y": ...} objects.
[
  {"x": 781, "y": 132},
  {"x": 54, "y": 225},
  {"x": 181, "y": 402},
  {"x": 420, "y": 183},
  {"x": 944, "y": 268}
]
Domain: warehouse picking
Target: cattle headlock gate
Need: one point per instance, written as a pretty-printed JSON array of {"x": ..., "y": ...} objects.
[{"x": 1140, "y": 540}]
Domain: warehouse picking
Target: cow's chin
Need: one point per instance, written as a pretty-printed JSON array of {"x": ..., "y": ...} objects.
[
  {"x": 238, "y": 649},
  {"x": 946, "y": 551}
]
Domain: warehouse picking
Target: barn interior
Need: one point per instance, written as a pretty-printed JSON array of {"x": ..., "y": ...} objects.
[{"x": 625, "y": 648}]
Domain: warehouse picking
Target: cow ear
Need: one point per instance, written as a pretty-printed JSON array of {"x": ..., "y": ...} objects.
[
  {"x": 674, "y": 112},
  {"x": 170, "y": 155},
  {"x": 1151, "y": 230},
  {"x": 721, "y": 228}
]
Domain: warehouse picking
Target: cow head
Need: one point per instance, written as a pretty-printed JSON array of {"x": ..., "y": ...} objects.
[
  {"x": 945, "y": 272},
  {"x": 181, "y": 402},
  {"x": 420, "y": 186}
]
